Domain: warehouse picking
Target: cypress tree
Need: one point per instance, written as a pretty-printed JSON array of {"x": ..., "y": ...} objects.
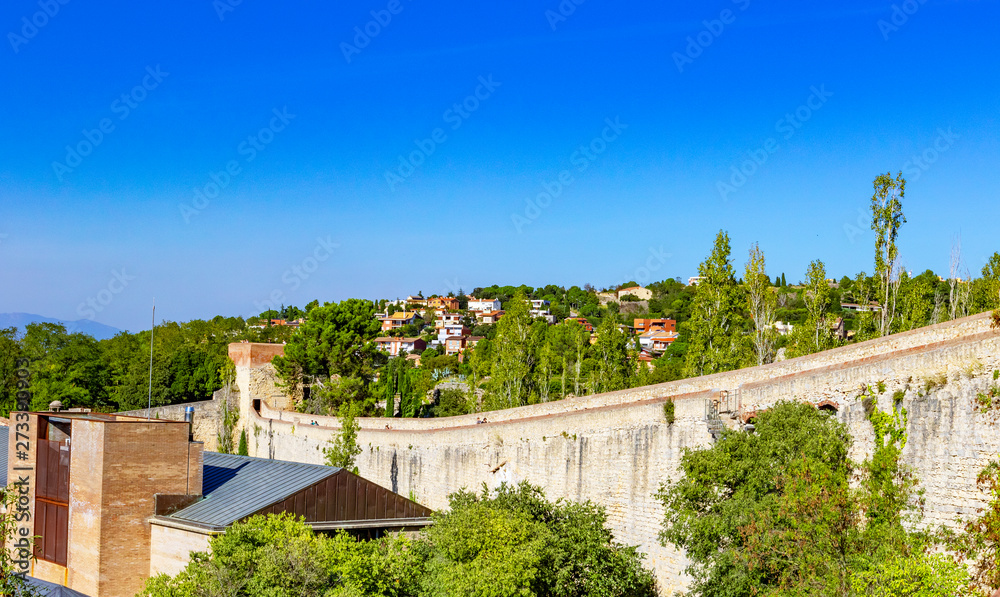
[{"x": 243, "y": 450}]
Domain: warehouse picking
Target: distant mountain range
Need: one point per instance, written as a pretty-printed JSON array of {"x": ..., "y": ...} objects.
[{"x": 84, "y": 326}]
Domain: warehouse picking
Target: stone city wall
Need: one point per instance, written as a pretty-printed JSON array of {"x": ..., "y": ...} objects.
[{"x": 616, "y": 449}]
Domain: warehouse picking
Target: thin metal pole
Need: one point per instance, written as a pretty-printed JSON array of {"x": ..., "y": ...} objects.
[{"x": 149, "y": 404}]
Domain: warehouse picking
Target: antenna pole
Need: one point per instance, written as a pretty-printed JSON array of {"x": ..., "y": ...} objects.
[{"x": 149, "y": 404}]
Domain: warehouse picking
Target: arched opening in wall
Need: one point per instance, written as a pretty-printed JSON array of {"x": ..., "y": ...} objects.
[
  {"x": 256, "y": 405},
  {"x": 828, "y": 406}
]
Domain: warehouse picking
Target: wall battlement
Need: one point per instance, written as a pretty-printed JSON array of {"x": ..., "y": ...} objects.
[{"x": 616, "y": 449}]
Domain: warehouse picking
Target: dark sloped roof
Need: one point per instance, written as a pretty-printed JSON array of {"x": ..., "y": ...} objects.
[
  {"x": 238, "y": 486},
  {"x": 53, "y": 590},
  {"x": 4, "y": 438}
]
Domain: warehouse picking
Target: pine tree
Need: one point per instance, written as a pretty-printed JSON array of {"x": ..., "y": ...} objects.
[{"x": 716, "y": 326}]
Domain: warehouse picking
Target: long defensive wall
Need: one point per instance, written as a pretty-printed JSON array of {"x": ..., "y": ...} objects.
[{"x": 616, "y": 449}]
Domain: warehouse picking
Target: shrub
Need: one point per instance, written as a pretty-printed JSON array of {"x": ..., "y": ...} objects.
[{"x": 668, "y": 412}]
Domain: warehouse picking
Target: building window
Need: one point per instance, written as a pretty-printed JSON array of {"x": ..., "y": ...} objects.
[{"x": 52, "y": 490}]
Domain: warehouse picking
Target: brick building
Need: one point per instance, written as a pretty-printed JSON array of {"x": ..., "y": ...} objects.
[{"x": 113, "y": 499}]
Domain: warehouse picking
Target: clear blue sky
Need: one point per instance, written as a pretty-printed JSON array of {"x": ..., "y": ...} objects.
[{"x": 889, "y": 91}]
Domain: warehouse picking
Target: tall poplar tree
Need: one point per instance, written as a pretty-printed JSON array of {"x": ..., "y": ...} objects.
[
  {"x": 887, "y": 218},
  {"x": 615, "y": 362},
  {"x": 510, "y": 375},
  {"x": 716, "y": 326},
  {"x": 817, "y": 299},
  {"x": 761, "y": 304}
]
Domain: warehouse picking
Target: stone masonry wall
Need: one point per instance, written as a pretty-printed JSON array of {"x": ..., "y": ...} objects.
[
  {"x": 207, "y": 418},
  {"x": 616, "y": 448}
]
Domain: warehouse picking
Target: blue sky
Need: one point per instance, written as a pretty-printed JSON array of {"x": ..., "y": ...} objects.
[{"x": 325, "y": 209}]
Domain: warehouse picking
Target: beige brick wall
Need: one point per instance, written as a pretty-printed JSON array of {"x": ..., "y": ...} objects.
[
  {"x": 86, "y": 506},
  {"x": 171, "y": 549},
  {"x": 140, "y": 460}
]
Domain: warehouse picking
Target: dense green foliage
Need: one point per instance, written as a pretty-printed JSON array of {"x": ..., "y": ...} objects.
[
  {"x": 189, "y": 360},
  {"x": 717, "y": 329},
  {"x": 509, "y": 543},
  {"x": 774, "y": 512}
]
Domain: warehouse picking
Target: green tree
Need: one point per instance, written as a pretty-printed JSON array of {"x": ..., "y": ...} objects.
[
  {"x": 988, "y": 287},
  {"x": 814, "y": 334},
  {"x": 615, "y": 361},
  {"x": 761, "y": 305},
  {"x": 716, "y": 326},
  {"x": 244, "y": 449},
  {"x": 515, "y": 542},
  {"x": 337, "y": 339},
  {"x": 738, "y": 485},
  {"x": 916, "y": 300},
  {"x": 280, "y": 556},
  {"x": 887, "y": 218},
  {"x": 10, "y": 352},
  {"x": 344, "y": 448},
  {"x": 64, "y": 367},
  {"x": 511, "y": 372},
  {"x": 979, "y": 544}
]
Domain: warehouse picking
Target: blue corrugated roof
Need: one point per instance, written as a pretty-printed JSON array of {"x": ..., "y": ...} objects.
[
  {"x": 237, "y": 486},
  {"x": 53, "y": 590},
  {"x": 4, "y": 438}
]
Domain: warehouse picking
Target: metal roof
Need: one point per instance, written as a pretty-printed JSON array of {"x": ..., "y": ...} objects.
[
  {"x": 237, "y": 486},
  {"x": 4, "y": 438},
  {"x": 53, "y": 590}
]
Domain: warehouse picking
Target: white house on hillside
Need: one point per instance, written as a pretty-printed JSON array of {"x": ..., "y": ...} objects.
[{"x": 484, "y": 304}]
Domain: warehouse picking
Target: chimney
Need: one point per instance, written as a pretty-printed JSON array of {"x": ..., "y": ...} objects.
[{"x": 189, "y": 418}]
